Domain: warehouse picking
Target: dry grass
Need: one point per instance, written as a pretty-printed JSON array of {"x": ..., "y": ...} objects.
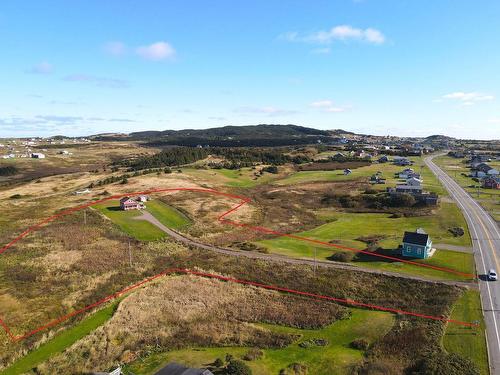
[{"x": 183, "y": 311}]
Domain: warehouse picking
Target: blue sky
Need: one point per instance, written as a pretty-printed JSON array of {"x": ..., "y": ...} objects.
[{"x": 409, "y": 68}]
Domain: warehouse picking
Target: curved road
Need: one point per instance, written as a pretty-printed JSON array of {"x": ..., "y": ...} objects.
[{"x": 486, "y": 246}]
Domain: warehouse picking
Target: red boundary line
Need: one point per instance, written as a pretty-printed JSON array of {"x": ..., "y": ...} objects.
[{"x": 221, "y": 219}]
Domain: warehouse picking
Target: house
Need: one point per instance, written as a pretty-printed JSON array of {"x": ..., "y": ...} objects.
[
  {"x": 377, "y": 179},
  {"x": 492, "y": 172},
  {"x": 417, "y": 244},
  {"x": 491, "y": 183},
  {"x": 409, "y": 189},
  {"x": 383, "y": 159},
  {"x": 127, "y": 203},
  {"x": 413, "y": 181},
  {"x": 84, "y": 191},
  {"x": 407, "y": 173},
  {"x": 478, "y": 174},
  {"x": 402, "y": 161},
  {"x": 142, "y": 198},
  {"x": 176, "y": 369},
  {"x": 347, "y": 171},
  {"x": 38, "y": 155}
]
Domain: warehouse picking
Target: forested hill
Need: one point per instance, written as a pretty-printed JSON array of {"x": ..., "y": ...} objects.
[{"x": 230, "y": 136}]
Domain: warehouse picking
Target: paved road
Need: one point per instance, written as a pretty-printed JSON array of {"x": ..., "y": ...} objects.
[
  {"x": 486, "y": 246},
  {"x": 284, "y": 259}
]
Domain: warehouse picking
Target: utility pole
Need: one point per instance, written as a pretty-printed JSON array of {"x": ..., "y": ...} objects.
[
  {"x": 129, "y": 253},
  {"x": 315, "y": 260}
]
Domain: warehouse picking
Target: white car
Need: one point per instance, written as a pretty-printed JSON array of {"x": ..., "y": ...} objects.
[{"x": 492, "y": 275}]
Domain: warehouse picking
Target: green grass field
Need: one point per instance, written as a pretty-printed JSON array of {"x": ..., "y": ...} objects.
[
  {"x": 468, "y": 342},
  {"x": 347, "y": 227},
  {"x": 363, "y": 173},
  {"x": 334, "y": 358},
  {"x": 167, "y": 215},
  {"x": 61, "y": 341},
  {"x": 140, "y": 229}
]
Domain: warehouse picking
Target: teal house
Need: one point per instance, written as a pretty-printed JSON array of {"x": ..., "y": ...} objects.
[{"x": 417, "y": 244}]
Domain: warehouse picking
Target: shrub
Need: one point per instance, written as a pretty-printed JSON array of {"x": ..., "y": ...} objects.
[
  {"x": 313, "y": 342},
  {"x": 360, "y": 344},
  {"x": 445, "y": 364},
  {"x": 370, "y": 191},
  {"x": 16, "y": 196},
  {"x": 218, "y": 362},
  {"x": 9, "y": 170},
  {"x": 253, "y": 354},
  {"x": 294, "y": 369},
  {"x": 342, "y": 256},
  {"x": 402, "y": 200},
  {"x": 236, "y": 367},
  {"x": 271, "y": 169},
  {"x": 457, "y": 231}
]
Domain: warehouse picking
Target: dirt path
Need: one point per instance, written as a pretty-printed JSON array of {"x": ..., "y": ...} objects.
[
  {"x": 281, "y": 258},
  {"x": 462, "y": 249}
]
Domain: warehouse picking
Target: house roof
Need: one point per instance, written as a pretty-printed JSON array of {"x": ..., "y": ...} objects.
[
  {"x": 127, "y": 199},
  {"x": 416, "y": 238},
  {"x": 408, "y": 187},
  {"x": 176, "y": 369}
]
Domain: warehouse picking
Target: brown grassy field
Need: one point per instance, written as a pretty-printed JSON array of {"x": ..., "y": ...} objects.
[{"x": 178, "y": 312}]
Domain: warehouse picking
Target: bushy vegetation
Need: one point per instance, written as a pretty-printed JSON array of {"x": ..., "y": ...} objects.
[
  {"x": 235, "y": 158},
  {"x": 369, "y": 200},
  {"x": 8, "y": 170},
  {"x": 441, "y": 363}
]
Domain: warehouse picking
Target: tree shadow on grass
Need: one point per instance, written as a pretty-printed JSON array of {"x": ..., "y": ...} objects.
[
  {"x": 114, "y": 208},
  {"x": 393, "y": 253}
]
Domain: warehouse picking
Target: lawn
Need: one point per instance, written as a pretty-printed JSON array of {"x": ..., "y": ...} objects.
[
  {"x": 468, "y": 342},
  {"x": 142, "y": 230},
  {"x": 363, "y": 173},
  {"x": 346, "y": 228},
  {"x": 334, "y": 358},
  {"x": 167, "y": 215},
  {"x": 61, "y": 341}
]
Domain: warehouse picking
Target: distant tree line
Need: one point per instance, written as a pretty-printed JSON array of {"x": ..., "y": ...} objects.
[
  {"x": 235, "y": 158},
  {"x": 246, "y": 142}
]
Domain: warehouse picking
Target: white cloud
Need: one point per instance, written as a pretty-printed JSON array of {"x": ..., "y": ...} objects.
[
  {"x": 42, "y": 68},
  {"x": 157, "y": 51},
  {"x": 340, "y": 32},
  {"x": 328, "y": 106},
  {"x": 468, "y": 98},
  {"x": 115, "y": 48}
]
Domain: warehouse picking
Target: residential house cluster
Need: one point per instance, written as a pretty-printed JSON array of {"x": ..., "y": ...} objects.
[
  {"x": 488, "y": 176},
  {"x": 413, "y": 186}
]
